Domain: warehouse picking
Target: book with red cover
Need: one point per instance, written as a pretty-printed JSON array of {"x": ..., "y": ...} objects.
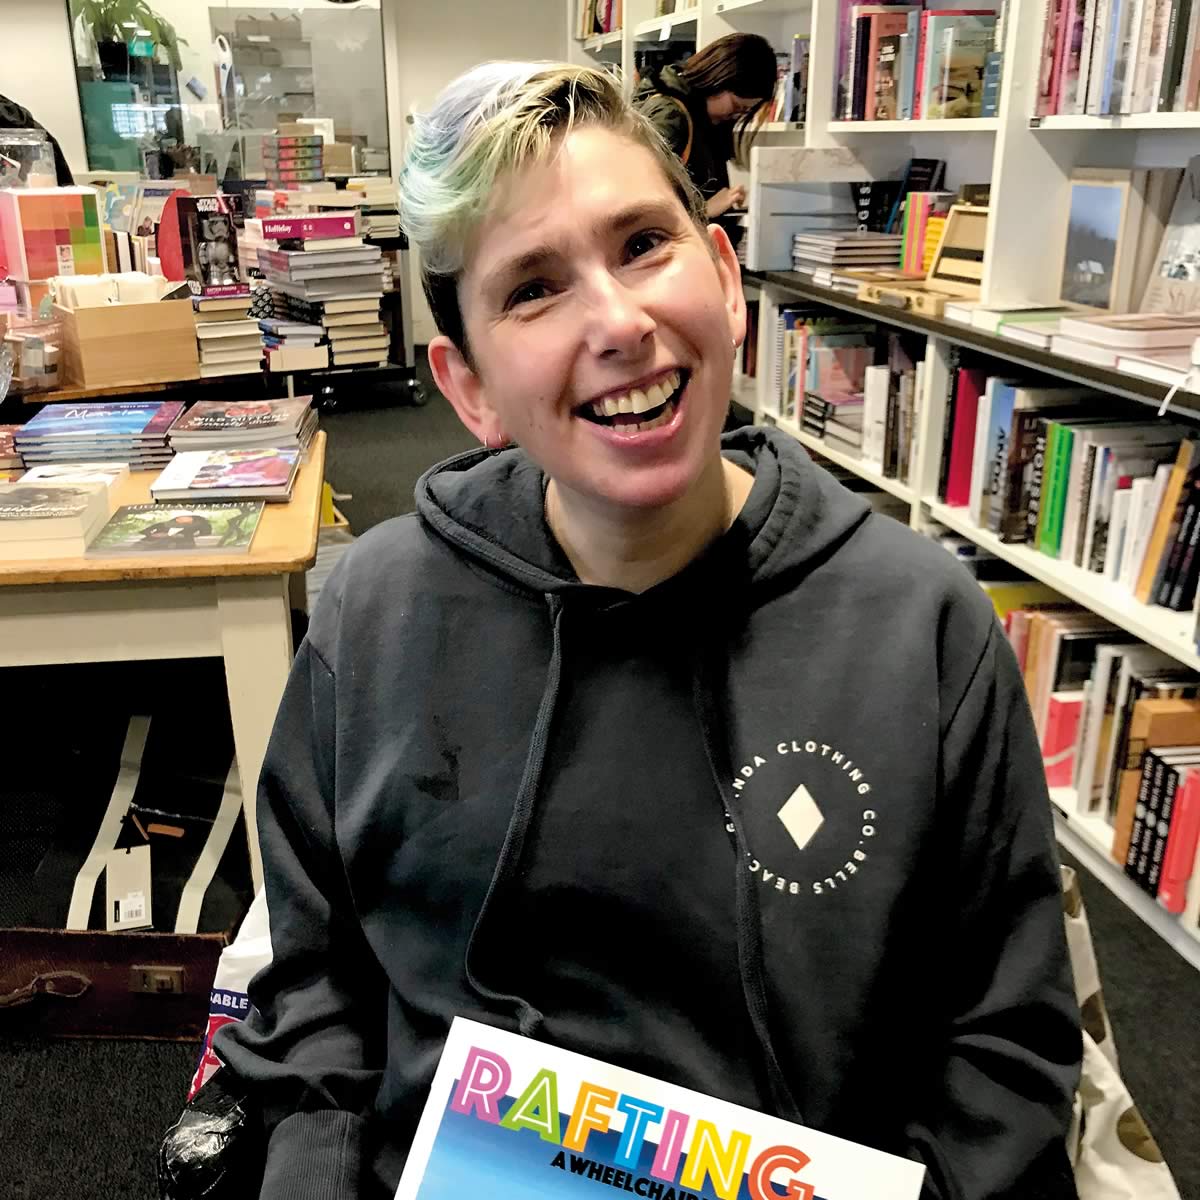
[
  {"x": 1180, "y": 856},
  {"x": 1059, "y": 739},
  {"x": 971, "y": 384},
  {"x": 318, "y": 225},
  {"x": 889, "y": 24}
]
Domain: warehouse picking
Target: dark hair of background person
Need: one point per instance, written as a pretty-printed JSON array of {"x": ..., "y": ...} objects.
[
  {"x": 741, "y": 63},
  {"x": 13, "y": 116}
]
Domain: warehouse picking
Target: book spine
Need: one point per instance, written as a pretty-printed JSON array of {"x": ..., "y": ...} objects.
[
  {"x": 1049, "y": 487},
  {"x": 1126, "y": 63},
  {"x": 1187, "y": 96},
  {"x": 1099, "y": 59},
  {"x": 1068, "y": 82},
  {"x": 1050, "y": 35},
  {"x": 922, "y": 66},
  {"x": 1150, "y": 61},
  {"x": 1079, "y": 100},
  {"x": 1152, "y": 778},
  {"x": 1063, "y": 20},
  {"x": 1177, "y": 38},
  {"x": 1179, "y": 546},
  {"x": 1179, "y": 857},
  {"x": 862, "y": 66},
  {"x": 1014, "y": 517},
  {"x": 1159, "y": 831},
  {"x": 999, "y": 475},
  {"x": 1037, "y": 481},
  {"x": 1183, "y": 591},
  {"x": 953, "y": 415},
  {"x": 1110, "y": 94},
  {"x": 872, "y": 70}
]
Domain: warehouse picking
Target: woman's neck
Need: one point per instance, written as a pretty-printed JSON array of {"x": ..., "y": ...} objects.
[{"x": 637, "y": 551}]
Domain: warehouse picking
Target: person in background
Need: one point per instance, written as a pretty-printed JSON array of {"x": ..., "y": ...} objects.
[
  {"x": 707, "y": 108},
  {"x": 13, "y": 116}
]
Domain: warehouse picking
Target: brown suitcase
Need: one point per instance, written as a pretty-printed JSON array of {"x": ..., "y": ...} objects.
[{"x": 66, "y": 983}]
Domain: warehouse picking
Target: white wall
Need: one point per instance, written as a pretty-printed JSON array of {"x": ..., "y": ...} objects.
[
  {"x": 37, "y": 69},
  {"x": 437, "y": 41}
]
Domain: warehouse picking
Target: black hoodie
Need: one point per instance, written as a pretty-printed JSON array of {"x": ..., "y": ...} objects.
[{"x": 775, "y": 829}]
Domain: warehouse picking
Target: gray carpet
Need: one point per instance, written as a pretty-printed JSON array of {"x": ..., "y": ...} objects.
[{"x": 83, "y": 1119}]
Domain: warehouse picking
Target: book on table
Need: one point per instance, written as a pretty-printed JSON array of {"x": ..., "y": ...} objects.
[
  {"x": 234, "y": 423},
  {"x": 179, "y": 528},
  {"x": 51, "y": 519},
  {"x": 252, "y": 473},
  {"x": 511, "y": 1117},
  {"x": 8, "y": 449},
  {"x": 107, "y": 473}
]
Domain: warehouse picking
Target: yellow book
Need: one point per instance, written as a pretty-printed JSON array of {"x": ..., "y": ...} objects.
[{"x": 1007, "y": 595}]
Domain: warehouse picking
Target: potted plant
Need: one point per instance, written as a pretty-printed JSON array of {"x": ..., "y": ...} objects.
[{"x": 114, "y": 24}]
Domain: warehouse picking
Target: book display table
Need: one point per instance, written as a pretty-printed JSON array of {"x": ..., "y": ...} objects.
[{"x": 235, "y": 607}]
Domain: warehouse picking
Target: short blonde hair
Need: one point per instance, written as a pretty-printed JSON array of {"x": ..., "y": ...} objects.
[{"x": 487, "y": 124}]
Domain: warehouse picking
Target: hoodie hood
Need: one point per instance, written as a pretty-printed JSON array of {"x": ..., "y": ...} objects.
[{"x": 491, "y": 508}]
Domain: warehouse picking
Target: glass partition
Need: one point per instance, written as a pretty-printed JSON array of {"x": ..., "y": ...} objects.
[{"x": 176, "y": 85}]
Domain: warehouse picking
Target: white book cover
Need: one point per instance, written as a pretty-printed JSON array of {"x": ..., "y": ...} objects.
[
  {"x": 1139, "y": 501},
  {"x": 1151, "y": 505},
  {"x": 1118, "y": 523},
  {"x": 1089, "y": 746},
  {"x": 1079, "y": 100},
  {"x": 875, "y": 405},
  {"x": 509, "y": 1118}
]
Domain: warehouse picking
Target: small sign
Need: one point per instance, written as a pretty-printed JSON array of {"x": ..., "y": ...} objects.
[{"x": 665, "y": 33}]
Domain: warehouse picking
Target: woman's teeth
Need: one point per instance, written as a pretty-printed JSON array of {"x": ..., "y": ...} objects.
[{"x": 621, "y": 412}]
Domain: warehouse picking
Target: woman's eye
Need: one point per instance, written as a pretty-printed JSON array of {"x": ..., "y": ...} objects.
[
  {"x": 527, "y": 293},
  {"x": 642, "y": 243}
]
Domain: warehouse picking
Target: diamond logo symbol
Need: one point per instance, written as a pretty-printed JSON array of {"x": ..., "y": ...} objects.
[{"x": 801, "y": 817}]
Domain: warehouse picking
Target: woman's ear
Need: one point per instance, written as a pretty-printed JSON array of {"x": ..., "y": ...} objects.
[
  {"x": 458, "y": 381},
  {"x": 730, "y": 273}
]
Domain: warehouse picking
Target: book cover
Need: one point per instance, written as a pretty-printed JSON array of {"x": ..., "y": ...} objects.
[
  {"x": 1059, "y": 739},
  {"x": 1158, "y": 826},
  {"x": 137, "y": 529},
  {"x": 266, "y": 471},
  {"x": 243, "y": 416},
  {"x": 883, "y": 44},
  {"x": 509, "y": 1117},
  {"x": 1175, "y": 280},
  {"x": 113, "y": 419},
  {"x": 319, "y": 225},
  {"x": 955, "y": 55},
  {"x": 8, "y": 448},
  {"x": 43, "y": 504},
  {"x": 1179, "y": 857}
]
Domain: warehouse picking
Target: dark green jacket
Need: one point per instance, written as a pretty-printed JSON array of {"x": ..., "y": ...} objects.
[{"x": 707, "y": 160}]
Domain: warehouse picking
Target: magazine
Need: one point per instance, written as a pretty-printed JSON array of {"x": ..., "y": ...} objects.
[
  {"x": 509, "y": 1117},
  {"x": 179, "y": 528},
  {"x": 126, "y": 420}
]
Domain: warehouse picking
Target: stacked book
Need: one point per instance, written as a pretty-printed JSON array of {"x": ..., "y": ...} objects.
[
  {"x": 289, "y": 160},
  {"x": 380, "y": 204},
  {"x": 240, "y": 450},
  {"x": 230, "y": 342},
  {"x": 288, "y": 423},
  {"x": 1103, "y": 340},
  {"x": 355, "y": 334},
  {"x": 294, "y": 345},
  {"x": 858, "y": 249},
  {"x": 129, "y": 431},
  {"x": 8, "y": 450},
  {"x": 50, "y": 520}
]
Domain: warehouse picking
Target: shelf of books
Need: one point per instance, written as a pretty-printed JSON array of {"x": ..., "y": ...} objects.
[
  {"x": 1171, "y": 632},
  {"x": 1088, "y": 838}
]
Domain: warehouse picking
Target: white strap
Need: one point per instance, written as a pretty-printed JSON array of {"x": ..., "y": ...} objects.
[{"x": 192, "y": 898}]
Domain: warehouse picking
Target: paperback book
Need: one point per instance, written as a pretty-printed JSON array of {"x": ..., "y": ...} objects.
[
  {"x": 179, "y": 529},
  {"x": 510, "y": 1117}
]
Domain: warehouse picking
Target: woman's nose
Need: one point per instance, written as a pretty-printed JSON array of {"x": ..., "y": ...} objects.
[{"x": 618, "y": 323}]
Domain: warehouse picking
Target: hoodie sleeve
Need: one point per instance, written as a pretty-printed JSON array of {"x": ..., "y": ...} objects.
[
  {"x": 995, "y": 1123},
  {"x": 311, "y": 1053}
]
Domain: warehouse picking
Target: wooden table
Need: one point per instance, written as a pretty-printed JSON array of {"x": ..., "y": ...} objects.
[{"x": 233, "y": 606}]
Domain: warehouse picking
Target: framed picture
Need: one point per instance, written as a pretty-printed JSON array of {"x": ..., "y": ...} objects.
[{"x": 1101, "y": 228}]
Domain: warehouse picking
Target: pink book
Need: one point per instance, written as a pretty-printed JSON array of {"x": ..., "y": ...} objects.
[
  {"x": 882, "y": 25},
  {"x": 1058, "y": 740},
  {"x": 1062, "y": 56},
  {"x": 1050, "y": 62},
  {"x": 970, "y": 386},
  {"x": 1180, "y": 856}
]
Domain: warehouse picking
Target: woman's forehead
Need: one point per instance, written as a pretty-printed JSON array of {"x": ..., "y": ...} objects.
[{"x": 590, "y": 174}]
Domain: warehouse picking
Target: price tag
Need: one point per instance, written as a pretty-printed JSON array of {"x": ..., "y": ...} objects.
[
  {"x": 127, "y": 889},
  {"x": 665, "y": 32}
]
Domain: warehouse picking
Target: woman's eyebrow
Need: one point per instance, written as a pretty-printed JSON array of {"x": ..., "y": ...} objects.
[{"x": 535, "y": 258}]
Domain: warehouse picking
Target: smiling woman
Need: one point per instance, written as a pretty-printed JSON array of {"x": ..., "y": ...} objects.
[{"x": 530, "y": 767}]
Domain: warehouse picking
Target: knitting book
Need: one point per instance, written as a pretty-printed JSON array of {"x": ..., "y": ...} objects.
[{"x": 508, "y": 1117}]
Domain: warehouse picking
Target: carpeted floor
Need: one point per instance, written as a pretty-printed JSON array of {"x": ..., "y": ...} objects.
[{"x": 83, "y": 1119}]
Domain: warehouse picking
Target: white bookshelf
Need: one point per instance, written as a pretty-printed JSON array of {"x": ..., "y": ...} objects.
[
  {"x": 1158, "y": 120},
  {"x": 1089, "y": 839},
  {"x": 668, "y": 27},
  {"x": 964, "y": 126},
  {"x": 850, "y": 462},
  {"x": 603, "y": 44}
]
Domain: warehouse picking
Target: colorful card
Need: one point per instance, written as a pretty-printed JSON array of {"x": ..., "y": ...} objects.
[{"x": 510, "y": 1118}]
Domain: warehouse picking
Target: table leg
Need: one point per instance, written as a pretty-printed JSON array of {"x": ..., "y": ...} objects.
[{"x": 256, "y": 641}]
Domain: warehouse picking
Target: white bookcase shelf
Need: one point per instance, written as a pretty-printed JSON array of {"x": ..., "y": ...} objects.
[
  {"x": 603, "y": 42},
  {"x": 1171, "y": 632},
  {"x": 966, "y": 125},
  {"x": 1157, "y": 120},
  {"x": 756, "y": 7},
  {"x": 684, "y": 22},
  {"x": 1089, "y": 840}
]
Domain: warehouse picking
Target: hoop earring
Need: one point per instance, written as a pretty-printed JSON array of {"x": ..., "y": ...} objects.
[{"x": 502, "y": 443}]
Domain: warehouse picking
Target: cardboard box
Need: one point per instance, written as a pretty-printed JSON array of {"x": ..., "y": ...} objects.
[{"x": 129, "y": 344}]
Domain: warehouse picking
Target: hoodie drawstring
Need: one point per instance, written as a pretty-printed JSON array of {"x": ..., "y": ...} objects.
[
  {"x": 748, "y": 915},
  {"x": 528, "y": 1018}
]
